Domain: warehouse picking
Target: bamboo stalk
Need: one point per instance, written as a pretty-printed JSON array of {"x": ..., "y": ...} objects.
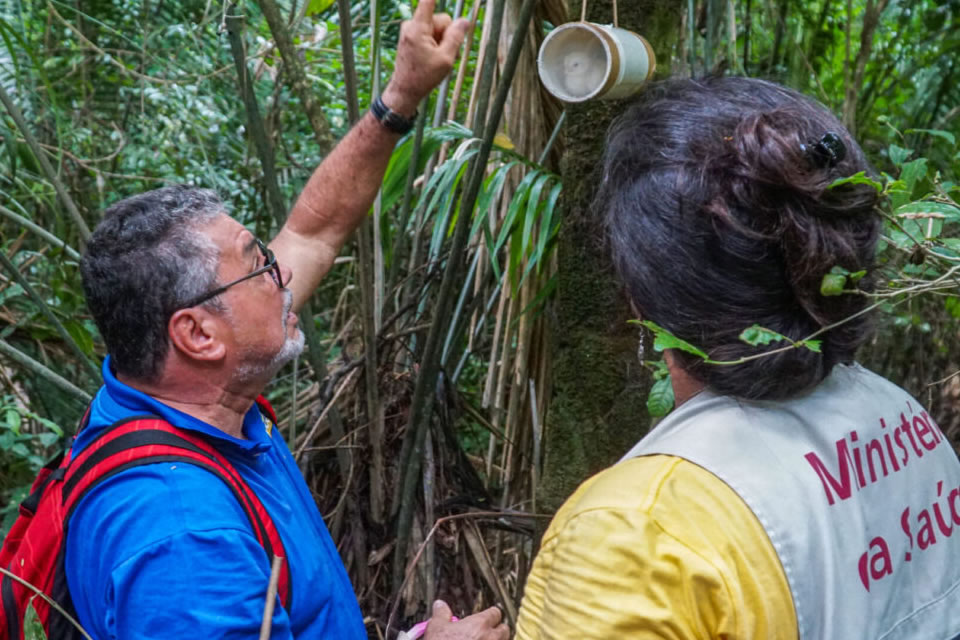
[
  {"x": 277, "y": 208},
  {"x": 517, "y": 386},
  {"x": 349, "y": 61},
  {"x": 407, "y": 203},
  {"x": 42, "y": 371},
  {"x": 458, "y": 310},
  {"x": 368, "y": 302},
  {"x": 65, "y": 198},
  {"x": 502, "y": 375},
  {"x": 732, "y": 36},
  {"x": 708, "y": 46},
  {"x": 486, "y": 50},
  {"x": 481, "y": 321},
  {"x": 297, "y": 76},
  {"x": 553, "y": 138},
  {"x": 377, "y": 246},
  {"x": 40, "y": 231},
  {"x": 462, "y": 71},
  {"x": 92, "y": 370},
  {"x": 441, "y": 103},
  {"x": 535, "y": 463},
  {"x": 422, "y": 401},
  {"x": 255, "y": 125},
  {"x": 429, "y": 490}
]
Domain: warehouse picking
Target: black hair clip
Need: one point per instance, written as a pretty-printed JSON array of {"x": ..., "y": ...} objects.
[{"x": 827, "y": 152}]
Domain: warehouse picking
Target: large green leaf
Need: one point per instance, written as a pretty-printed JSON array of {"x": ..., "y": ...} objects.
[{"x": 660, "y": 400}]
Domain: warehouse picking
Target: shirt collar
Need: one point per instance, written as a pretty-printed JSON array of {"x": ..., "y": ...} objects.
[{"x": 116, "y": 401}]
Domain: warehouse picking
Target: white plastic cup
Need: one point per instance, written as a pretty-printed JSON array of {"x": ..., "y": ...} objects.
[{"x": 581, "y": 61}]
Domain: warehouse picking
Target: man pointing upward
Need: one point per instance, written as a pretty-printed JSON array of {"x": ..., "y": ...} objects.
[{"x": 198, "y": 315}]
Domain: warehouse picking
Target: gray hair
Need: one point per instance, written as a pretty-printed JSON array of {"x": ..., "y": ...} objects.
[{"x": 147, "y": 258}]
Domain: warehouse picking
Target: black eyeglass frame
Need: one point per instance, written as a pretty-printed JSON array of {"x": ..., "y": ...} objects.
[{"x": 271, "y": 265}]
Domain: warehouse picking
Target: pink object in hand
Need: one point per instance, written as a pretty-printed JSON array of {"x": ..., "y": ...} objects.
[{"x": 419, "y": 629}]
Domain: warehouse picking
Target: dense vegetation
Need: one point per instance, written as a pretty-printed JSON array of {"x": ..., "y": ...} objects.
[{"x": 418, "y": 401}]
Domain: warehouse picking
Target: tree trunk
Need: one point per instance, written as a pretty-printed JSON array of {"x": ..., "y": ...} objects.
[{"x": 598, "y": 408}]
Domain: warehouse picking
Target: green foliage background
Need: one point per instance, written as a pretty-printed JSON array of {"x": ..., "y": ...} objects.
[{"x": 127, "y": 96}]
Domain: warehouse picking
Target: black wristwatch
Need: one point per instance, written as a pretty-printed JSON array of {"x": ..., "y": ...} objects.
[{"x": 391, "y": 119}]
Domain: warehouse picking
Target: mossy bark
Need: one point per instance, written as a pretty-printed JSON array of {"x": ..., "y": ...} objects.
[{"x": 598, "y": 408}]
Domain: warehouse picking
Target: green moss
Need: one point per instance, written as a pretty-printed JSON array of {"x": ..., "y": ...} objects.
[{"x": 598, "y": 405}]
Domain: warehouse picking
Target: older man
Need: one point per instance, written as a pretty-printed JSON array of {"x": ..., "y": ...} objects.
[{"x": 198, "y": 315}]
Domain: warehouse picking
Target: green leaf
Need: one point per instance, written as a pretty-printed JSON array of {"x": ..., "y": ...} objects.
[
  {"x": 533, "y": 210},
  {"x": 856, "y": 276},
  {"x": 81, "y": 336},
  {"x": 318, "y": 6},
  {"x": 913, "y": 171},
  {"x": 898, "y": 155},
  {"x": 47, "y": 438},
  {"x": 32, "y": 627},
  {"x": 663, "y": 339},
  {"x": 860, "y": 177},
  {"x": 952, "y": 305},
  {"x": 832, "y": 284},
  {"x": 940, "y": 133},
  {"x": 49, "y": 424},
  {"x": 520, "y": 197},
  {"x": 13, "y": 420},
  {"x": 947, "y": 212},
  {"x": 756, "y": 335},
  {"x": 660, "y": 401},
  {"x": 813, "y": 345},
  {"x": 10, "y": 292}
]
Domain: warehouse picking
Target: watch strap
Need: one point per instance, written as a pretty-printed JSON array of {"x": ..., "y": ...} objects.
[{"x": 391, "y": 119}]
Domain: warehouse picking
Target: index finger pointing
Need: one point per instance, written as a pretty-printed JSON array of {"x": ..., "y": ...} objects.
[{"x": 424, "y": 11}]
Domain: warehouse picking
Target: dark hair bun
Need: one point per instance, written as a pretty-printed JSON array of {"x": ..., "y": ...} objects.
[{"x": 720, "y": 217}]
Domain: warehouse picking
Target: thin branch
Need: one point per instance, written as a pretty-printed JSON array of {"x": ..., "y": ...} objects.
[
  {"x": 11, "y": 268},
  {"x": 298, "y": 78},
  {"x": 42, "y": 371},
  {"x": 40, "y": 231},
  {"x": 416, "y": 558},
  {"x": 47, "y": 599},
  {"x": 267, "y": 622},
  {"x": 422, "y": 402},
  {"x": 21, "y": 123}
]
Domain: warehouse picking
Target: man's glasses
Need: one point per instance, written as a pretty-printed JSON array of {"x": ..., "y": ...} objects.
[{"x": 269, "y": 264}]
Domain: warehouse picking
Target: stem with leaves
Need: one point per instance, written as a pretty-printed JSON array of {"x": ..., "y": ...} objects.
[
  {"x": 39, "y": 369},
  {"x": 258, "y": 133},
  {"x": 65, "y": 198},
  {"x": 92, "y": 370},
  {"x": 297, "y": 76},
  {"x": 422, "y": 403}
]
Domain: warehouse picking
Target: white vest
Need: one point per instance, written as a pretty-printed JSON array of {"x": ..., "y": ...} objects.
[{"x": 858, "y": 491}]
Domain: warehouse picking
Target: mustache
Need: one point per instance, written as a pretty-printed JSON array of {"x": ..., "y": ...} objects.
[{"x": 287, "y": 303}]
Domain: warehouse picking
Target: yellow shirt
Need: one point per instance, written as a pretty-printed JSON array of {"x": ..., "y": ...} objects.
[{"x": 656, "y": 547}]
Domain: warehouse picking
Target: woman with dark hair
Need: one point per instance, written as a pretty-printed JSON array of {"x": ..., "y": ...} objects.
[{"x": 792, "y": 493}]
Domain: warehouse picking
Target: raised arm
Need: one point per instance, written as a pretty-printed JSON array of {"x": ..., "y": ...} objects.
[{"x": 341, "y": 190}]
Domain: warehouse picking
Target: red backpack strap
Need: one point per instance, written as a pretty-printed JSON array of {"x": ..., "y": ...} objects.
[
  {"x": 267, "y": 408},
  {"x": 142, "y": 440}
]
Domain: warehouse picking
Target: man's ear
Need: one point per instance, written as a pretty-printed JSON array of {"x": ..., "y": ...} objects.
[{"x": 197, "y": 334}]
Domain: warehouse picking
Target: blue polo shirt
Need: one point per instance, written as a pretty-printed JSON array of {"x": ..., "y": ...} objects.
[{"x": 165, "y": 550}]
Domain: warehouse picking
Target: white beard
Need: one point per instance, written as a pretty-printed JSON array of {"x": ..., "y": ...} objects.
[{"x": 258, "y": 368}]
